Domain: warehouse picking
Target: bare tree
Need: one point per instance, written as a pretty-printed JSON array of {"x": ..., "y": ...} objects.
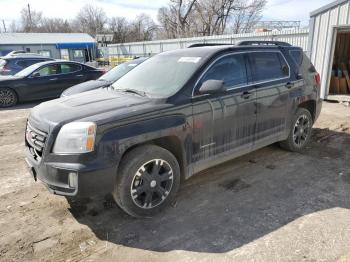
[
  {"x": 90, "y": 19},
  {"x": 143, "y": 28},
  {"x": 31, "y": 20},
  {"x": 245, "y": 19},
  {"x": 14, "y": 27},
  {"x": 120, "y": 28},
  {"x": 175, "y": 18},
  {"x": 55, "y": 25},
  {"x": 208, "y": 17}
]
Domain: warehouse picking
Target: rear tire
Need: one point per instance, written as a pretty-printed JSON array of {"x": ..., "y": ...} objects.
[
  {"x": 147, "y": 181},
  {"x": 8, "y": 97},
  {"x": 300, "y": 133}
]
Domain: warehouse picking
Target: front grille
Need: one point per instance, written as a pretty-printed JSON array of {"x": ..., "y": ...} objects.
[{"x": 35, "y": 141}]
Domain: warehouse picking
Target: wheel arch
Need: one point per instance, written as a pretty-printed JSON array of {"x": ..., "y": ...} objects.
[
  {"x": 171, "y": 143},
  {"x": 309, "y": 105}
]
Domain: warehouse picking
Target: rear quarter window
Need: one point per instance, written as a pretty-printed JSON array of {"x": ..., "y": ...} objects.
[
  {"x": 268, "y": 66},
  {"x": 28, "y": 62},
  {"x": 69, "y": 68},
  {"x": 297, "y": 56}
]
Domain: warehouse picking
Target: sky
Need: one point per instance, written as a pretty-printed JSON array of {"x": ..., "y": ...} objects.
[{"x": 275, "y": 9}]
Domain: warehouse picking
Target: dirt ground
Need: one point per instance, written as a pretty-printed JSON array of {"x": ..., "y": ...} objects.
[{"x": 270, "y": 205}]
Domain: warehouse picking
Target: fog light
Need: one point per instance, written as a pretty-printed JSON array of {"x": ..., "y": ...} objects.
[{"x": 73, "y": 180}]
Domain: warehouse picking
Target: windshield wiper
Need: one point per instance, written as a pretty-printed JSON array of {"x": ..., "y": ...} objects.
[{"x": 134, "y": 91}]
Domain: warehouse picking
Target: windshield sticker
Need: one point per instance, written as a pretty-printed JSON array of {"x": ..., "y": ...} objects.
[
  {"x": 189, "y": 59},
  {"x": 132, "y": 65}
]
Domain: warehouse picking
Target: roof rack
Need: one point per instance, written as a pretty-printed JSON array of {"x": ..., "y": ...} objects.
[
  {"x": 206, "y": 44},
  {"x": 277, "y": 43},
  {"x": 244, "y": 43}
]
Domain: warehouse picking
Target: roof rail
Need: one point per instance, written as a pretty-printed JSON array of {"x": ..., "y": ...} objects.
[
  {"x": 206, "y": 44},
  {"x": 277, "y": 43}
]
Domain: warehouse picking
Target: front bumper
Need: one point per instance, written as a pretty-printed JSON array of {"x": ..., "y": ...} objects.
[{"x": 72, "y": 179}]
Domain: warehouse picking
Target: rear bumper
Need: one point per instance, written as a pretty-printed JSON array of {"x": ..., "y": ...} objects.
[{"x": 73, "y": 179}]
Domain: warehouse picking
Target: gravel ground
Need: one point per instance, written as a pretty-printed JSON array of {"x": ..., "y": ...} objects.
[{"x": 270, "y": 205}]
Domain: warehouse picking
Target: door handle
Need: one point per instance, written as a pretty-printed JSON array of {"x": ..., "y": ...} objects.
[
  {"x": 79, "y": 75},
  {"x": 289, "y": 85},
  {"x": 246, "y": 95},
  {"x": 53, "y": 79}
]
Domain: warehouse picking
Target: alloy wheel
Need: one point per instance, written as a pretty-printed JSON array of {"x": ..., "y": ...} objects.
[
  {"x": 7, "y": 98},
  {"x": 152, "y": 183},
  {"x": 301, "y": 130}
]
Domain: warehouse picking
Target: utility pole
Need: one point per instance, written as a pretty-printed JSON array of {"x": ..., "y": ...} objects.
[
  {"x": 3, "y": 23},
  {"x": 30, "y": 18}
]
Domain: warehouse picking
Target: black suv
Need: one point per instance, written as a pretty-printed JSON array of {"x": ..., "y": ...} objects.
[{"x": 174, "y": 115}]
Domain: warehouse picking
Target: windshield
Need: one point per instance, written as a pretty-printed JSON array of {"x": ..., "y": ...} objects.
[
  {"x": 118, "y": 71},
  {"x": 28, "y": 70},
  {"x": 160, "y": 76}
]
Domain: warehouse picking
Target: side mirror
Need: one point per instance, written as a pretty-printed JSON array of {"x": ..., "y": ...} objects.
[
  {"x": 36, "y": 74},
  {"x": 212, "y": 87}
]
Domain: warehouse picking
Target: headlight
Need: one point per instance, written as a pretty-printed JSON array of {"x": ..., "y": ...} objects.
[{"x": 75, "y": 138}]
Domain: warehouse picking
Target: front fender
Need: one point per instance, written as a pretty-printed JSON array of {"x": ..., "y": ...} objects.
[{"x": 116, "y": 141}]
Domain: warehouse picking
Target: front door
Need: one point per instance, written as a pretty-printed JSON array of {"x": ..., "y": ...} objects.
[
  {"x": 224, "y": 123},
  {"x": 43, "y": 83}
]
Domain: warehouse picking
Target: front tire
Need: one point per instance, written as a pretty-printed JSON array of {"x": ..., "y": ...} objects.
[
  {"x": 8, "y": 97},
  {"x": 147, "y": 181},
  {"x": 300, "y": 133}
]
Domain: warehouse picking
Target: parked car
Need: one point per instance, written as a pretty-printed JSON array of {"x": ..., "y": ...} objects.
[
  {"x": 44, "y": 80},
  {"x": 107, "y": 79},
  {"x": 174, "y": 115},
  {"x": 10, "y": 65},
  {"x": 16, "y": 52}
]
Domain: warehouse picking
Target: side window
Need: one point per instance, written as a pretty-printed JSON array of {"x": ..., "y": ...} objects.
[
  {"x": 23, "y": 63},
  {"x": 268, "y": 66},
  {"x": 297, "y": 56},
  {"x": 34, "y": 61},
  {"x": 53, "y": 69},
  {"x": 231, "y": 69},
  {"x": 69, "y": 68}
]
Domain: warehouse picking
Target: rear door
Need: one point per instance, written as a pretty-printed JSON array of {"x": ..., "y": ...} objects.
[
  {"x": 224, "y": 124},
  {"x": 270, "y": 75},
  {"x": 71, "y": 74}
]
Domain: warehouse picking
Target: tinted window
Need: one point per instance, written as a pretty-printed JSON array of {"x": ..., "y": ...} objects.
[
  {"x": 69, "y": 68},
  {"x": 28, "y": 62},
  {"x": 49, "y": 70},
  {"x": 297, "y": 56},
  {"x": 231, "y": 69},
  {"x": 268, "y": 66},
  {"x": 22, "y": 63}
]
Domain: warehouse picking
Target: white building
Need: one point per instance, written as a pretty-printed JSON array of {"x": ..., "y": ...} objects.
[
  {"x": 69, "y": 46},
  {"x": 329, "y": 46}
]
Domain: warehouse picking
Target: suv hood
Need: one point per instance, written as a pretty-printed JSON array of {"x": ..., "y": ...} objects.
[
  {"x": 86, "y": 86},
  {"x": 99, "y": 106}
]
